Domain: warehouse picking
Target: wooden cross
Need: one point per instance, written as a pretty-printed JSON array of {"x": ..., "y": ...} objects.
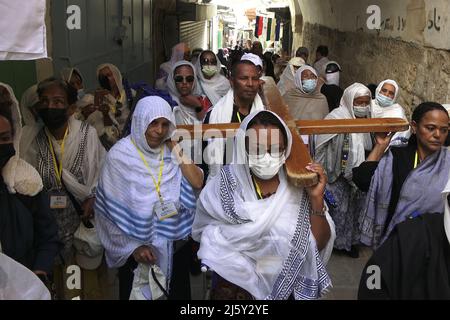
[{"x": 300, "y": 157}]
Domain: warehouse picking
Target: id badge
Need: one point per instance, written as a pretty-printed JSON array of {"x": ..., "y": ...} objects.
[
  {"x": 58, "y": 200},
  {"x": 165, "y": 210}
]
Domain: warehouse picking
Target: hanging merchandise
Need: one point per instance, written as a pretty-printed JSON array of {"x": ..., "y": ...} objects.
[
  {"x": 277, "y": 31},
  {"x": 269, "y": 29}
]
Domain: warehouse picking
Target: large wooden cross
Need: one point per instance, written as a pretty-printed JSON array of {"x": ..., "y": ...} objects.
[{"x": 300, "y": 157}]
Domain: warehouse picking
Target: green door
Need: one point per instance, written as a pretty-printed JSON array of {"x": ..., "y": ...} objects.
[{"x": 20, "y": 75}]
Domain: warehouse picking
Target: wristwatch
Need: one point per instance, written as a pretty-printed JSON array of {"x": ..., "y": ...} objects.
[{"x": 321, "y": 213}]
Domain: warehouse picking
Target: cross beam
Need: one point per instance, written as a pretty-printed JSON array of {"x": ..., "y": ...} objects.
[{"x": 299, "y": 157}]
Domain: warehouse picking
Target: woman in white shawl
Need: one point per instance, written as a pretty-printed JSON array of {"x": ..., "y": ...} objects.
[
  {"x": 212, "y": 83},
  {"x": 110, "y": 78},
  {"x": 262, "y": 237},
  {"x": 305, "y": 100},
  {"x": 73, "y": 77},
  {"x": 183, "y": 87},
  {"x": 385, "y": 106},
  {"x": 130, "y": 222},
  {"x": 287, "y": 78},
  {"x": 339, "y": 154}
]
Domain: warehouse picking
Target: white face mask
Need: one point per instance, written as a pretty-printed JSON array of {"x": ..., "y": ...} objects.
[
  {"x": 333, "y": 78},
  {"x": 267, "y": 166},
  {"x": 361, "y": 111}
]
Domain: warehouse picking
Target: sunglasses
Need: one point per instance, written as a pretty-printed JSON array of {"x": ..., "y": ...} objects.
[
  {"x": 179, "y": 79},
  {"x": 212, "y": 62}
]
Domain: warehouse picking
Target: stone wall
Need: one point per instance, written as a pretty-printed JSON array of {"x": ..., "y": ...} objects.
[
  {"x": 412, "y": 45},
  {"x": 422, "y": 73}
]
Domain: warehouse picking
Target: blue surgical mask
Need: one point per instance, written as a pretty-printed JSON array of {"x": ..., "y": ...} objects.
[
  {"x": 309, "y": 85},
  {"x": 384, "y": 101}
]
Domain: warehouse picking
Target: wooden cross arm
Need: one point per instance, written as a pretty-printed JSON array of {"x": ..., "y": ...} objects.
[{"x": 304, "y": 127}]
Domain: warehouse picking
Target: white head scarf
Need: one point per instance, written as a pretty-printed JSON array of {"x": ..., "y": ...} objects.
[
  {"x": 116, "y": 74},
  {"x": 248, "y": 241},
  {"x": 359, "y": 142},
  {"x": 66, "y": 74},
  {"x": 183, "y": 115},
  {"x": 216, "y": 87},
  {"x": 126, "y": 192},
  {"x": 29, "y": 99},
  {"x": 393, "y": 111},
  {"x": 19, "y": 176},
  {"x": 391, "y": 82},
  {"x": 287, "y": 78},
  {"x": 298, "y": 78}
]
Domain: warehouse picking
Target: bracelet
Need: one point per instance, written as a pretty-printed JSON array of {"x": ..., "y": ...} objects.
[{"x": 321, "y": 213}]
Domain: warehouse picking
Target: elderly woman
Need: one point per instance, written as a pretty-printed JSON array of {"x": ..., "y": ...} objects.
[
  {"x": 385, "y": 106},
  {"x": 405, "y": 181},
  {"x": 339, "y": 154},
  {"x": 145, "y": 198},
  {"x": 262, "y": 237},
  {"x": 287, "y": 78},
  {"x": 212, "y": 83},
  {"x": 305, "y": 100}
]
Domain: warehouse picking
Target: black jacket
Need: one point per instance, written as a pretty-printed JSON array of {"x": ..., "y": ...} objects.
[{"x": 28, "y": 230}]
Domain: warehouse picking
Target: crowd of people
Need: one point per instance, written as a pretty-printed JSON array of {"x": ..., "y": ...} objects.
[{"x": 95, "y": 179}]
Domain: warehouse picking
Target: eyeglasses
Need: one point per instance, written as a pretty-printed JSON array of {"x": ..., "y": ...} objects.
[
  {"x": 179, "y": 79},
  {"x": 259, "y": 151},
  {"x": 211, "y": 62}
]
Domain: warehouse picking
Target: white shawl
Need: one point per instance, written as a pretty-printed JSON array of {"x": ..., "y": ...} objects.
[
  {"x": 287, "y": 81},
  {"x": 126, "y": 193},
  {"x": 393, "y": 111},
  {"x": 214, "y": 88},
  {"x": 222, "y": 112},
  {"x": 359, "y": 142},
  {"x": 183, "y": 115},
  {"x": 264, "y": 246}
]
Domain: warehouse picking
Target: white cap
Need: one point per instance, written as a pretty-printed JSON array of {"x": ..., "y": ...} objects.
[
  {"x": 88, "y": 99},
  {"x": 89, "y": 250},
  {"x": 253, "y": 58}
]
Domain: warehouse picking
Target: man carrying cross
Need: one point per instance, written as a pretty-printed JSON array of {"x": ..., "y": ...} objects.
[{"x": 241, "y": 100}]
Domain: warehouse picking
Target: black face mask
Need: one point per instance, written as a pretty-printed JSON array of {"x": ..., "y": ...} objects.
[
  {"x": 104, "y": 82},
  {"x": 53, "y": 118},
  {"x": 7, "y": 151}
]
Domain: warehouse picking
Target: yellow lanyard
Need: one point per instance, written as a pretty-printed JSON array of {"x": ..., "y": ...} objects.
[
  {"x": 161, "y": 167},
  {"x": 239, "y": 116},
  {"x": 416, "y": 160},
  {"x": 258, "y": 189},
  {"x": 58, "y": 165}
]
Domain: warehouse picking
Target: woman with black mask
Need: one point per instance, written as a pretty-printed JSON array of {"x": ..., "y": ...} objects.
[{"x": 68, "y": 155}]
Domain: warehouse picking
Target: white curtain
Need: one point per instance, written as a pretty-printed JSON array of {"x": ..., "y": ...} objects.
[{"x": 23, "y": 32}]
